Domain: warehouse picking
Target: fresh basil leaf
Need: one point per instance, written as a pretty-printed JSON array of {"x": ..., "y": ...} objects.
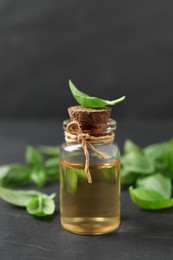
[
  {"x": 52, "y": 162},
  {"x": 52, "y": 173},
  {"x": 41, "y": 206},
  {"x": 162, "y": 156},
  {"x": 17, "y": 197},
  {"x": 137, "y": 163},
  {"x": 156, "y": 151},
  {"x": 52, "y": 168},
  {"x": 149, "y": 199},
  {"x": 4, "y": 170},
  {"x": 15, "y": 174},
  {"x": 33, "y": 157},
  {"x": 156, "y": 182},
  {"x": 71, "y": 181},
  {"x": 91, "y": 102},
  {"x": 52, "y": 151},
  {"x": 169, "y": 161},
  {"x": 131, "y": 147},
  {"x": 39, "y": 177},
  {"x": 127, "y": 177}
]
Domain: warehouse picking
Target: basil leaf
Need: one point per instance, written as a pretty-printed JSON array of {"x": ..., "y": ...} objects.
[
  {"x": 157, "y": 153},
  {"x": 137, "y": 163},
  {"x": 39, "y": 177},
  {"x": 41, "y": 206},
  {"x": 131, "y": 147},
  {"x": 169, "y": 161},
  {"x": 91, "y": 102},
  {"x": 127, "y": 177},
  {"x": 52, "y": 168},
  {"x": 33, "y": 157},
  {"x": 52, "y": 173},
  {"x": 18, "y": 197},
  {"x": 156, "y": 182},
  {"x": 52, "y": 162},
  {"x": 50, "y": 150},
  {"x": 149, "y": 199},
  {"x": 4, "y": 170},
  {"x": 162, "y": 156},
  {"x": 15, "y": 174}
]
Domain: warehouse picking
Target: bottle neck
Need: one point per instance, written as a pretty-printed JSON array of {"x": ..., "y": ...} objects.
[{"x": 97, "y": 129}]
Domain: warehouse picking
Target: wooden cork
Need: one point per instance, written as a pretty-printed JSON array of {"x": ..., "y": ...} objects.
[{"x": 93, "y": 121}]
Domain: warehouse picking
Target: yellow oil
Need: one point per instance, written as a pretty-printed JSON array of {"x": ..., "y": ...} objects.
[{"x": 90, "y": 209}]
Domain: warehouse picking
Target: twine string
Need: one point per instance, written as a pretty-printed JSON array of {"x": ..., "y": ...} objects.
[{"x": 73, "y": 133}]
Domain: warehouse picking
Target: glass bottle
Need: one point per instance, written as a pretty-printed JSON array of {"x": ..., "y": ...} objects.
[{"x": 90, "y": 208}]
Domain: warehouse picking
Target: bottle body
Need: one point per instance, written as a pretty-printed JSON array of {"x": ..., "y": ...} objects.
[{"x": 90, "y": 208}]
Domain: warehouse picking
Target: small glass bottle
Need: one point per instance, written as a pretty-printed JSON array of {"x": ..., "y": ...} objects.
[{"x": 90, "y": 208}]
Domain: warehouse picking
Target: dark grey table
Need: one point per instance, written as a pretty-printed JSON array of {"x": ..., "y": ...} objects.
[{"x": 142, "y": 234}]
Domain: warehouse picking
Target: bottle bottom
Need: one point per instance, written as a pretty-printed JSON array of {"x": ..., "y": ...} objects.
[{"x": 90, "y": 226}]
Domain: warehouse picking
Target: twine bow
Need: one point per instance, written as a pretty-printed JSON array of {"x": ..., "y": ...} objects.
[{"x": 73, "y": 133}]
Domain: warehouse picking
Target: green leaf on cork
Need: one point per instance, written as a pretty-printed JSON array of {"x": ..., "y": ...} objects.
[{"x": 91, "y": 102}]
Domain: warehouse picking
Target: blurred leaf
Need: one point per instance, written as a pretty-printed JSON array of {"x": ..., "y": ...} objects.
[
  {"x": 52, "y": 162},
  {"x": 17, "y": 197},
  {"x": 41, "y": 206},
  {"x": 137, "y": 163},
  {"x": 127, "y": 177},
  {"x": 149, "y": 199},
  {"x": 33, "y": 157},
  {"x": 131, "y": 147},
  {"x": 50, "y": 150},
  {"x": 158, "y": 183},
  {"x": 4, "y": 170},
  {"x": 52, "y": 168},
  {"x": 15, "y": 175},
  {"x": 39, "y": 177}
]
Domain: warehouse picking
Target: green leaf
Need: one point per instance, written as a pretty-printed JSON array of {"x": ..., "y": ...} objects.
[
  {"x": 137, "y": 163},
  {"x": 52, "y": 151},
  {"x": 71, "y": 181},
  {"x": 156, "y": 182},
  {"x": 169, "y": 160},
  {"x": 18, "y": 197},
  {"x": 52, "y": 168},
  {"x": 41, "y": 206},
  {"x": 39, "y": 177},
  {"x": 127, "y": 177},
  {"x": 14, "y": 175},
  {"x": 91, "y": 102},
  {"x": 131, "y": 147},
  {"x": 4, "y": 170},
  {"x": 156, "y": 151},
  {"x": 52, "y": 173},
  {"x": 149, "y": 199},
  {"x": 33, "y": 157},
  {"x": 162, "y": 156},
  {"x": 52, "y": 162}
]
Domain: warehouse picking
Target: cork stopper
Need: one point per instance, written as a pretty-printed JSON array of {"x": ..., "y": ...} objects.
[{"x": 93, "y": 121}]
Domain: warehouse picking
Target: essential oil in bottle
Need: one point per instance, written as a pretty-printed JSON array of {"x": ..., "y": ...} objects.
[
  {"x": 90, "y": 208},
  {"x": 89, "y": 172}
]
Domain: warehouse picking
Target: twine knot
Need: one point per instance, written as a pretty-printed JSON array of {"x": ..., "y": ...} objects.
[
  {"x": 73, "y": 133},
  {"x": 82, "y": 136}
]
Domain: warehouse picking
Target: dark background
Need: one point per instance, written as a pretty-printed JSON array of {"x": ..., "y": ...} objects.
[{"x": 108, "y": 48}]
